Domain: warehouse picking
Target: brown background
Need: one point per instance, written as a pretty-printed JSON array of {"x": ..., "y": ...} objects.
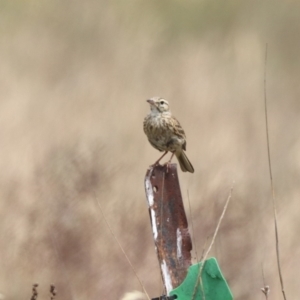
[{"x": 74, "y": 79}]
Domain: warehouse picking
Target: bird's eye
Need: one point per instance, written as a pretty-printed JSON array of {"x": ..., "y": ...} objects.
[{"x": 161, "y": 102}]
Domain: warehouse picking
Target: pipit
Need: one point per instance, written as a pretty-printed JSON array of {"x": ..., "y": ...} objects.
[{"x": 165, "y": 133}]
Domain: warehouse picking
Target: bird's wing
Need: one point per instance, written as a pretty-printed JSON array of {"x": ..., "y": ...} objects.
[{"x": 176, "y": 128}]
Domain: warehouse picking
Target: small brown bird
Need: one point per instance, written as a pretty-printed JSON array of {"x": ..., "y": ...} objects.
[{"x": 165, "y": 133}]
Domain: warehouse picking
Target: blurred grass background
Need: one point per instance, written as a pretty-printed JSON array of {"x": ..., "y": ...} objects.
[{"x": 74, "y": 79}]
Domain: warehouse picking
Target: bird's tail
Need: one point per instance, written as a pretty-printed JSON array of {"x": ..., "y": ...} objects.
[{"x": 184, "y": 162}]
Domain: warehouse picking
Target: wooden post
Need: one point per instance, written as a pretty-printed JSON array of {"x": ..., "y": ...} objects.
[{"x": 169, "y": 224}]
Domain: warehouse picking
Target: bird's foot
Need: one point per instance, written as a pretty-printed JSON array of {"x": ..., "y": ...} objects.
[
  {"x": 167, "y": 166},
  {"x": 169, "y": 162},
  {"x": 155, "y": 165}
]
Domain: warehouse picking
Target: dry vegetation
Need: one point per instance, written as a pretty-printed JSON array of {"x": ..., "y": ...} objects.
[{"x": 74, "y": 79}]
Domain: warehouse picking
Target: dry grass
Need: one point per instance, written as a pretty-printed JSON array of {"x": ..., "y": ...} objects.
[{"x": 74, "y": 80}]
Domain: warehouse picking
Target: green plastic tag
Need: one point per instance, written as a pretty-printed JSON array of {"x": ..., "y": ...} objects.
[{"x": 214, "y": 284}]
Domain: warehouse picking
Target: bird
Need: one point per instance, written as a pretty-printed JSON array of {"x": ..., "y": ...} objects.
[{"x": 165, "y": 133}]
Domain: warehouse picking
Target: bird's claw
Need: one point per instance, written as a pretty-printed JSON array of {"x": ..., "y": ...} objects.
[{"x": 167, "y": 166}]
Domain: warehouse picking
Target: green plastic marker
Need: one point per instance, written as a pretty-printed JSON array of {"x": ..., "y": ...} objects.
[{"x": 214, "y": 284}]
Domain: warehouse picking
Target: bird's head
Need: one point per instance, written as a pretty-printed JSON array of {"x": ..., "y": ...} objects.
[{"x": 158, "y": 104}]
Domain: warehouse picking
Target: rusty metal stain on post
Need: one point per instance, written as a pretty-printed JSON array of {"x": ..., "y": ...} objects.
[{"x": 169, "y": 224}]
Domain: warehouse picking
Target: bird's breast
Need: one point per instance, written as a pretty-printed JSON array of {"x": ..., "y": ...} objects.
[
  {"x": 155, "y": 125},
  {"x": 162, "y": 132}
]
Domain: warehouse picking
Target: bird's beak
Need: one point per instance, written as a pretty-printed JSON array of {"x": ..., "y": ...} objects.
[{"x": 151, "y": 102}]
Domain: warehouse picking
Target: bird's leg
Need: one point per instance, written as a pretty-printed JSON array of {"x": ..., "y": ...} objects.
[
  {"x": 156, "y": 163},
  {"x": 169, "y": 161}
]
